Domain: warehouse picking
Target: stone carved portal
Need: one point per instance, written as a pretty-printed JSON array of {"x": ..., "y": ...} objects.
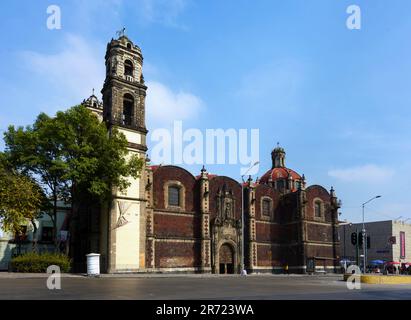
[{"x": 226, "y": 235}]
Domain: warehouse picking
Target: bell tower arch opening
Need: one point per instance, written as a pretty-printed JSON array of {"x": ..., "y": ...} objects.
[
  {"x": 128, "y": 109},
  {"x": 128, "y": 68}
]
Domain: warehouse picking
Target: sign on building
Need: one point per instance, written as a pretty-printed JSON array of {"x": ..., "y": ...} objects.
[{"x": 402, "y": 245}]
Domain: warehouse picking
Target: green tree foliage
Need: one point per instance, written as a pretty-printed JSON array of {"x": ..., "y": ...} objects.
[
  {"x": 73, "y": 156},
  {"x": 35, "y": 152},
  {"x": 21, "y": 199},
  {"x": 94, "y": 159}
]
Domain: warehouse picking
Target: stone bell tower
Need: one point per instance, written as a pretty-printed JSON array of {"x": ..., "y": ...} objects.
[{"x": 123, "y": 220}]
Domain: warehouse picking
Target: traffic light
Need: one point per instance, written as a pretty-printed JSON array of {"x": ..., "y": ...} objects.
[
  {"x": 354, "y": 238},
  {"x": 360, "y": 239},
  {"x": 368, "y": 242}
]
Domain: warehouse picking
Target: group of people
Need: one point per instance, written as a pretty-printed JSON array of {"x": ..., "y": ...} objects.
[{"x": 392, "y": 269}]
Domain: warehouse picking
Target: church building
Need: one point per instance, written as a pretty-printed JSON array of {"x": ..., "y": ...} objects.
[{"x": 170, "y": 220}]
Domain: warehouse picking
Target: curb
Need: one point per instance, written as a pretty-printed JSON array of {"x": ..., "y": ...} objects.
[{"x": 381, "y": 279}]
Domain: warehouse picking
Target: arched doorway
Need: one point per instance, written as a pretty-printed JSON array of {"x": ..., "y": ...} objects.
[{"x": 226, "y": 259}]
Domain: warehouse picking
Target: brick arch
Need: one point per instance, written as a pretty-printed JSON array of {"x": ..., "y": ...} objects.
[
  {"x": 168, "y": 175},
  {"x": 318, "y": 193}
]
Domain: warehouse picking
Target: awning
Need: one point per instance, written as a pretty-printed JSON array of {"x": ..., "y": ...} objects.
[{"x": 324, "y": 258}]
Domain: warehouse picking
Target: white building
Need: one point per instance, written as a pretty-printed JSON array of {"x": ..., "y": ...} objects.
[{"x": 9, "y": 246}]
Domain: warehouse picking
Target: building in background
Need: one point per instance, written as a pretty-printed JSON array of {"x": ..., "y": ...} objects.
[
  {"x": 11, "y": 245},
  {"x": 387, "y": 240}
]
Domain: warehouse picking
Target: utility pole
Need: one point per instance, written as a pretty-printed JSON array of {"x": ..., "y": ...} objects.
[
  {"x": 364, "y": 240},
  {"x": 242, "y": 217},
  {"x": 357, "y": 248}
]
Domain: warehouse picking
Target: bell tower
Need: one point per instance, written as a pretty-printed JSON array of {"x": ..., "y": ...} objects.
[
  {"x": 123, "y": 225},
  {"x": 124, "y": 92}
]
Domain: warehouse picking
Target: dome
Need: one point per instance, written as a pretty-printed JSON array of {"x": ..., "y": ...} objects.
[
  {"x": 93, "y": 102},
  {"x": 279, "y": 173}
]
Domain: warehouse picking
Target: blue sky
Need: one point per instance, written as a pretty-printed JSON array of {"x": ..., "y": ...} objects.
[{"x": 337, "y": 100}]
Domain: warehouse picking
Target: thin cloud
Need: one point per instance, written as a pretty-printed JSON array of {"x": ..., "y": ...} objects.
[
  {"x": 162, "y": 11},
  {"x": 146, "y": 13},
  {"x": 280, "y": 82},
  {"x": 165, "y": 105},
  {"x": 365, "y": 173},
  {"x": 71, "y": 72},
  {"x": 78, "y": 67}
]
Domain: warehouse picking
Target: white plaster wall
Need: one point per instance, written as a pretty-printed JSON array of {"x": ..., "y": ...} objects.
[
  {"x": 397, "y": 228},
  {"x": 128, "y": 238},
  {"x": 131, "y": 136}
]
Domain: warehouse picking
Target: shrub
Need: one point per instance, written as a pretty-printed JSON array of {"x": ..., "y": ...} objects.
[{"x": 38, "y": 263}]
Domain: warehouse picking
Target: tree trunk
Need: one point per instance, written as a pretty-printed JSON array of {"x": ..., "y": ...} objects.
[
  {"x": 35, "y": 229},
  {"x": 54, "y": 220}
]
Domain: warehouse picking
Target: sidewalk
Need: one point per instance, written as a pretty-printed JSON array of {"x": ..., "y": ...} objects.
[{"x": 16, "y": 275}]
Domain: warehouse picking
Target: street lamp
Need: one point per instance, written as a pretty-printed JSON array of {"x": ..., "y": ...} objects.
[
  {"x": 364, "y": 236},
  {"x": 242, "y": 215},
  {"x": 345, "y": 223}
]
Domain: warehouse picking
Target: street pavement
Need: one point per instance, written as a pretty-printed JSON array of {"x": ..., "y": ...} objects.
[{"x": 176, "y": 287}]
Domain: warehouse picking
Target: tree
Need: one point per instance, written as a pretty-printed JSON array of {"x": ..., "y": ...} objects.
[
  {"x": 21, "y": 200},
  {"x": 95, "y": 159},
  {"x": 73, "y": 156},
  {"x": 35, "y": 152}
]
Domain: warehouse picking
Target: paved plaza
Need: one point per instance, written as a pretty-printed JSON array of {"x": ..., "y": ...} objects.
[{"x": 169, "y": 287}]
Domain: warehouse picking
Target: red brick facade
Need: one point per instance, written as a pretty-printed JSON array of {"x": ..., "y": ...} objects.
[{"x": 204, "y": 232}]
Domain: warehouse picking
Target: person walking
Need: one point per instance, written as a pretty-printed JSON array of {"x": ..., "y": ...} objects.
[{"x": 244, "y": 272}]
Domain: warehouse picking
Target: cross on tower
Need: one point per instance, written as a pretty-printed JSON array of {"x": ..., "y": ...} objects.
[{"x": 121, "y": 33}]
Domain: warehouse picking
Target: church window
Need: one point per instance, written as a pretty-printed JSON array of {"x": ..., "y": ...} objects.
[
  {"x": 266, "y": 207},
  {"x": 128, "y": 45},
  {"x": 174, "y": 196},
  {"x": 128, "y": 104},
  {"x": 318, "y": 208},
  {"x": 128, "y": 68},
  {"x": 280, "y": 184}
]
